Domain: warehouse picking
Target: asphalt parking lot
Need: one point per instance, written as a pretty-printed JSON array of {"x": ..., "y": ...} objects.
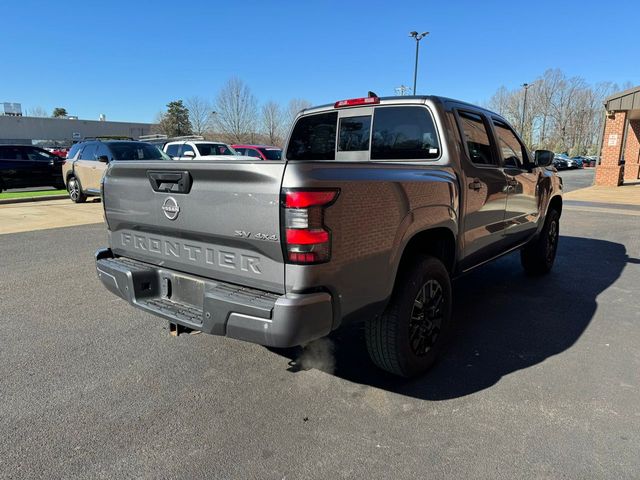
[{"x": 541, "y": 381}]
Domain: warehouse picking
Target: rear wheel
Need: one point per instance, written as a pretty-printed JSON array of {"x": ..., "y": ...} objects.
[
  {"x": 75, "y": 191},
  {"x": 538, "y": 256},
  {"x": 408, "y": 337}
]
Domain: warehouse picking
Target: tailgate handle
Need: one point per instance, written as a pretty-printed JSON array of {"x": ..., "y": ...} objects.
[{"x": 170, "y": 182}]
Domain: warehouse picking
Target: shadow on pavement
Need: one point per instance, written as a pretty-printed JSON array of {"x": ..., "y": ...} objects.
[{"x": 505, "y": 322}]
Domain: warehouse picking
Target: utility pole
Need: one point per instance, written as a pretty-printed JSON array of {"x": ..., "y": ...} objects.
[{"x": 418, "y": 37}]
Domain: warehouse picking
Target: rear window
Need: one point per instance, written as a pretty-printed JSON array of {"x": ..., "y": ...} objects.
[
  {"x": 214, "y": 149},
  {"x": 272, "y": 153},
  {"x": 136, "y": 151},
  {"x": 314, "y": 138},
  {"x": 354, "y": 134},
  {"x": 403, "y": 133}
]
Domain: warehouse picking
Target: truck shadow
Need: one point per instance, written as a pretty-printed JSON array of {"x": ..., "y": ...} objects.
[{"x": 505, "y": 322}]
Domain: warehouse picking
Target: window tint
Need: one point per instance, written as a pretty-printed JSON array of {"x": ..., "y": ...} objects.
[
  {"x": 172, "y": 150},
  {"x": 240, "y": 151},
  {"x": 88, "y": 152},
  {"x": 354, "y": 134},
  {"x": 10, "y": 153},
  {"x": 103, "y": 150},
  {"x": 37, "y": 155},
  {"x": 214, "y": 149},
  {"x": 252, "y": 152},
  {"x": 186, "y": 148},
  {"x": 314, "y": 138},
  {"x": 403, "y": 133},
  {"x": 272, "y": 153},
  {"x": 477, "y": 139},
  {"x": 74, "y": 150},
  {"x": 513, "y": 153},
  {"x": 136, "y": 151}
]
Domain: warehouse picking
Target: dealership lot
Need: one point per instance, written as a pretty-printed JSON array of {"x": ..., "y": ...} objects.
[{"x": 542, "y": 379}]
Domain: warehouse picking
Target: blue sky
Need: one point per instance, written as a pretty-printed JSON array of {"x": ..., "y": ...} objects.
[{"x": 128, "y": 59}]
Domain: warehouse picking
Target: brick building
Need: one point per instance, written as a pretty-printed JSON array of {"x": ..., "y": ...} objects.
[{"x": 621, "y": 140}]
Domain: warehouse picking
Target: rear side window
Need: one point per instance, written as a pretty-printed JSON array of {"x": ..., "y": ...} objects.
[
  {"x": 477, "y": 139},
  {"x": 186, "y": 148},
  {"x": 403, "y": 133},
  {"x": 354, "y": 134},
  {"x": 88, "y": 152},
  {"x": 314, "y": 138},
  {"x": 272, "y": 153},
  {"x": 136, "y": 151}
]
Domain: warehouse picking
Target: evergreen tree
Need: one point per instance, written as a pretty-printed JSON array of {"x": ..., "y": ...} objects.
[{"x": 175, "y": 121}]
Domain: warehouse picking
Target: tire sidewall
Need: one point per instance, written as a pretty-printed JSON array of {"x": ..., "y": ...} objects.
[
  {"x": 428, "y": 268},
  {"x": 71, "y": 180}
]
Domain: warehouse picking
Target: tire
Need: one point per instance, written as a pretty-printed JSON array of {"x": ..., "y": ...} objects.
[
  {"x": 407, "y": 339},
  {"x": 538, "y": 256},
  {"x": 75, "y": 191}
]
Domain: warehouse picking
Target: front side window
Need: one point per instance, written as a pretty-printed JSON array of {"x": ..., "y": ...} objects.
[
  {"x": 252, "y": 152},
  {"x": 404, "y": 133},
  {"x": 477, "y": 139},
  {"x": 513, "y": 152},
  {"x": 314, "y": 138},
  {"x": 103, "y": 151},
  {"x": 214, "y": 149},
  {"x": 37, "y": 155},
  {"x": 88, "y": 152},
  {"x": 354, "y": 134},
  {"x": 172, "y": 150}
]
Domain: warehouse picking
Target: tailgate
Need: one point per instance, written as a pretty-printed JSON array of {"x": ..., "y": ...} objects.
[{"x": 212, "y": 219}]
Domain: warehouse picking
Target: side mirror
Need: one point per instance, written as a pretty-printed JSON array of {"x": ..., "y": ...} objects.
[
  {"x": 543, "y": 158},
  {"x": 189, "y": 154},
  {"x": 103, "y": 159}
]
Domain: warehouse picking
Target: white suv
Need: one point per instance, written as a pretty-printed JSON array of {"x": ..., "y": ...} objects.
[{"x": 199, "y": 150}]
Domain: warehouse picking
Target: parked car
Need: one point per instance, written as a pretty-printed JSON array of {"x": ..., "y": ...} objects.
[
  {"x": 198, "y": 150},
  {"x": 570, "y": 162},
  {"x": 560, "y": 163},
  {"x": 265, "y": 152},
  {"x": 377, "y": 204},
  {"x": 87, "y": 161},
  {"x": 24, "y": 166},
  {"x": 579, "y": 161}
]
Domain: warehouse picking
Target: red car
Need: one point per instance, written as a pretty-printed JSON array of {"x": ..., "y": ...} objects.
[{"x": 265, "y": 152}]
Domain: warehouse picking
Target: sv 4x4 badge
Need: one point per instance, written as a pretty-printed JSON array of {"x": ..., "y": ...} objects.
[{"x": 257, "y": 236}]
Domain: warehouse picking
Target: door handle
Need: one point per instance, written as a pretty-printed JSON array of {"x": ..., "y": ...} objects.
[{"x": 475, "y": 185}]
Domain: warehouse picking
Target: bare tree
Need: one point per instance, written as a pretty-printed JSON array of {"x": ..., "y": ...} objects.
[
  {"x": 562, "y": 114},
  {"x": 294, "y": 107},
  {"x": 272, "y": 122},
  {"x": 236, "y": 111},
  {"x": 37, "y": 112},
  {"x": 200, "y": 114}
]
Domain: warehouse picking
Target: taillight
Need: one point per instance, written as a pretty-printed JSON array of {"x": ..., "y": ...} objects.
[{"x": 306, "y": 239}]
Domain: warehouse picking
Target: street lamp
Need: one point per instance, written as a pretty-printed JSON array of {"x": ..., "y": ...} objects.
[
  {"x": 524, "y": 106},
  {"x": 418, "y": 37}
]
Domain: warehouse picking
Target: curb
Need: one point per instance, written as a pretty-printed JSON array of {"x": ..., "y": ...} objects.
[{"x": 6, "y": 201}]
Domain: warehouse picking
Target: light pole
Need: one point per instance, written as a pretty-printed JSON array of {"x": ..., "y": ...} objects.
[
  {"x": 418, "y": 37},
  {"x": 524, "y": 106}
]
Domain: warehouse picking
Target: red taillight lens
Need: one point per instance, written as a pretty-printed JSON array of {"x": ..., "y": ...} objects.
[
  {"x": 304, "y": 199},
  {"x": 307, "y": 240},
  {"x": 352, "y": 102}
]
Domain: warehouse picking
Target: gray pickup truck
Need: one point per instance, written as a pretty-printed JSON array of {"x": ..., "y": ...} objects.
[{"x": 376, "y": 205}]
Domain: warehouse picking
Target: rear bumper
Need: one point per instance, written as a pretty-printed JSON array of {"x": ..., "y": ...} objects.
[{"x": 216, "y": 307}]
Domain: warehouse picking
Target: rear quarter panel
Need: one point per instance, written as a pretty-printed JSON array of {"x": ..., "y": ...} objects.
[{"x": 379, "y": 209}]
